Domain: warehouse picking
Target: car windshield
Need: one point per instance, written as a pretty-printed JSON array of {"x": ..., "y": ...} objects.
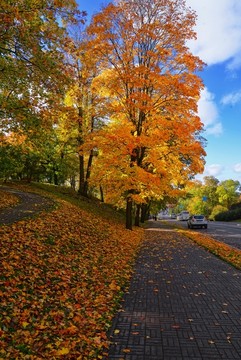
[{"x": 199, "y": 217}]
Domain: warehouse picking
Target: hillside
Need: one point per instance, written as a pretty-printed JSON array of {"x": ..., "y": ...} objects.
[{"x": 62, "y": 277}]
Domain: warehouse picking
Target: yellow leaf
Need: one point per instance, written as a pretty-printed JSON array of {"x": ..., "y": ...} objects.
[
  {"x": 63, "y": 351},
  {"x": 126, "y": 351},
  {"x": 113, "y": 286}
]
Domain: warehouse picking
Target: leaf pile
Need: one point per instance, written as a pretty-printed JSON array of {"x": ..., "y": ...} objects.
[
  {"x": 7, "y": 199},
  {"x": 62, "y": 276}
]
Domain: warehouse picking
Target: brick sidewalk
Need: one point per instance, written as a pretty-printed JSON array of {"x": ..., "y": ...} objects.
[{"x": 183, "y": 303}]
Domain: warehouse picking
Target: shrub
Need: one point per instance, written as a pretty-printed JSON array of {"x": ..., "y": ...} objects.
[
  {"x": 217, "y": 210},
  {"x": 229, "y": 215},
  {"x": 236, "y": 206}
]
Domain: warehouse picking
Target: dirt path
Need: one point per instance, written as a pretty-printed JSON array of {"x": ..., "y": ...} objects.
[{"x": 30, "y": 204}]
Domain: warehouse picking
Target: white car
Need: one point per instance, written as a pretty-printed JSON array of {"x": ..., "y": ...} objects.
[
  {"x": 197, "y": 221},
  {"x": 179, "y": 217},
  {"x": 185, "y": 215}
]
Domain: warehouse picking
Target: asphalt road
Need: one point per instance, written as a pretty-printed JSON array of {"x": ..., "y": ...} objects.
[
  {"x": 228, "y": 232},
  {"x": 30, "y": 205}
]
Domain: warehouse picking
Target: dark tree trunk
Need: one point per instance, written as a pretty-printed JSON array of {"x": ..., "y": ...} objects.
[
  {"x": 137, "y": 216},
  {"x": 144, "y": 212},
  {"x": 81, "y": 155},
  {"x": 101, "y": 194},
  {"x": 56, "y": 180},
  {"x": 86, "y": 187},
  {"x": 129, "y": 213},
  {"x": 81, "y": 175}
]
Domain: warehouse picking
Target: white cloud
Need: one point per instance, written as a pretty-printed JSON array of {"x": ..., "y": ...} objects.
[
  {"x": 218, "y": 31},
  {"x": 208, "y": 113},
  {"x": 232, "y": 98},
  {"x": 213, "y": 170},
  {"x": 237, "y": 168}
]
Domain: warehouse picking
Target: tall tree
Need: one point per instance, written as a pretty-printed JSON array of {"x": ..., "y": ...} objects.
[
  {"x": 85, "y": 108},
  {"x": 34, "y": 73},
  {"x": 153, "y": 142}
]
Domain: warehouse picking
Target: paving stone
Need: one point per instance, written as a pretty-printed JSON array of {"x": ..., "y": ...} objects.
[{"x": 183, "y": 303}]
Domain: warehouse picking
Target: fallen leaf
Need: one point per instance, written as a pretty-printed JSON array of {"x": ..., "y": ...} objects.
[
  {"x": 63, "y": 351},
  {"x": 126, "y": 351}
]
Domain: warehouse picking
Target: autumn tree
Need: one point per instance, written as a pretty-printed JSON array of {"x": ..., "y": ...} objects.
[
  {"x": 83, "y": 106},
  {"x": 152, "y": 144},
  {"x": 10, "y": 158},
  {"x": 34, "y": 39}
]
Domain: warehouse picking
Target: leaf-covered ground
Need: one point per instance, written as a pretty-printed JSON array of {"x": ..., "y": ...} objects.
[
  {"x": 61, "y": 278},
  {"x": 7, "y": 199}
]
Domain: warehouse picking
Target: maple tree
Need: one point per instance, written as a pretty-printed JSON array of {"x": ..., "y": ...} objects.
[{"x": 152, "y": 144}]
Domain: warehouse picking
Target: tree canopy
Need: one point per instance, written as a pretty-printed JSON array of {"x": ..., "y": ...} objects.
[
  {"x": 114, "y": 101},
  {"x": 149, "y": 78}
]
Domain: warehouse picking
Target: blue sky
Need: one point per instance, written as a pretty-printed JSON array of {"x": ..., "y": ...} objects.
[{"x": 218, "y": 44}]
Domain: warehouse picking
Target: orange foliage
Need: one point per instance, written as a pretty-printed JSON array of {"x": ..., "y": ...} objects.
[
  {"x": 152, "y": 143},
  {"x": 62, "y": 276},
  {"x": 7, "y": 199}
]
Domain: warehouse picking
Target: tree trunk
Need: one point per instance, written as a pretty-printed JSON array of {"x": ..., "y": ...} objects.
[
  {"x": 56, "y": 179},
  {"x": 81, "y": 175},
  {"x": 81, "y": 155},
  {"x": 137, "y": 216},
  {"x": 86, "y": 187},
  {"x": 144, "y": 212},
  {"x": 101, "y": 194},
  {"x": 129, "y": 213}
]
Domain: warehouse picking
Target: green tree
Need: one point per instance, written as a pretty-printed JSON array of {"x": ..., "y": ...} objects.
[
  {"x": 34, "y": 73},
  {"x": 217, "y": 210},
  {"x": 10, "y": 160},
  {"x": 33, "y": 37},
  {"x": 227, "y": 192}
]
